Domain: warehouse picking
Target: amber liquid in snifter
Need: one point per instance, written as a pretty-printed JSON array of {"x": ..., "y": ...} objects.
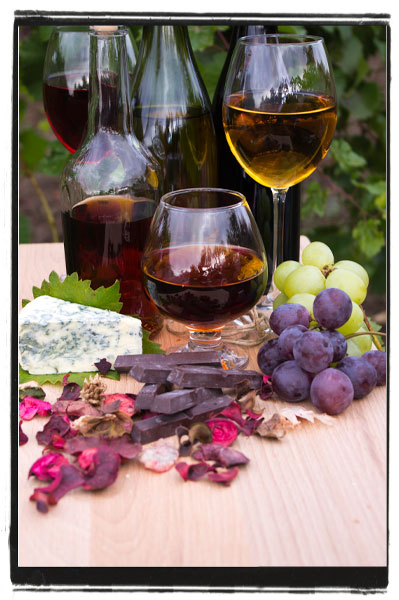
[{"x": 279, "y": 142}]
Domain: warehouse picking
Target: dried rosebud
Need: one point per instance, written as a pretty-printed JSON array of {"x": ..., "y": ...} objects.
[
  {"x": 159, "y": 457},
  {"x": 100, "y": 465},
  {"x": 193, "y": 472},
  {"x": 224, "y": 476},
  {"x": 30, "y": 406},
  {"x": 103, "y": 366},
  {"x": 223, "y": 431},
  {"x": 23, "y": 438},
  {"x": 47, "y": 466}
]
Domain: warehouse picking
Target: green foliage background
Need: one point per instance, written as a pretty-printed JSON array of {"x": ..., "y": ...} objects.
[{"x": 343, "y": 202}]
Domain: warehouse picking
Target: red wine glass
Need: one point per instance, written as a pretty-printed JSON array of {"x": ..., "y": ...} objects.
[
  {"x": 66, "y": 82},
  {"x": 204, "y": 264}
]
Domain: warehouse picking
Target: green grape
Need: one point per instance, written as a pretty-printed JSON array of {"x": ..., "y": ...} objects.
[
  {"x": 317, "y": 254},
  {"x": 354, "y": 322},
  {"x": 280, "y": 299},
  {"x": 363, "y": 342},
  {"x": 282, "y": 272},
  {"x": 306, "y": 280},
  {"x": 352, "y": 348},
  {"x": 354, "y": 267},
  {"x": 305, "y": 299},
  {"x": 349, "y": 282}
]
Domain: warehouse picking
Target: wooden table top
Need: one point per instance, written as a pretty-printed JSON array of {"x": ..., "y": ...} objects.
[{"x": 317, "y": 497}]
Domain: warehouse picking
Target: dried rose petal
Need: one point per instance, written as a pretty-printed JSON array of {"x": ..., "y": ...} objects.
[
  {"x": 251, "y": 425},
  {"x": 57, "y": 425},
  {"x": 30, "y": 406},
  {"x": 125, "y": 405},
  {"x": 67, "y": 478},
  {"x": 224, "y": 476},
  {"x": 159, "y": 457},
  {"x": 47, "y": 466},
  {"x": 101, "y": 466},
  {"x": 70, "y": 392},
  {"x": 124, "y": 445},
  {"x": 233, "y": 412},
  {"x": 222, "y": 455},
  {"x": 266, "y": 390},
  {"x": 223, "y": 431},
  {"x": 193, "y": 472},
  {"x": 109, "y": 425},
  {"x": 80, "y": 408},
  {"x": 103, "y": 366},
  {"x": 23, "y": 438},
  {"x": 65, "y": 379}
]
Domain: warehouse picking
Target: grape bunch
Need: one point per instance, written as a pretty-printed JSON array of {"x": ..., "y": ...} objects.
[
  {"x": 300, "y": 284},
  {"x": 308, "y": 360}
]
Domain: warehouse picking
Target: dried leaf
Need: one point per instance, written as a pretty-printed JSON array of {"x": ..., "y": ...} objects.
[
  {"x": 275, "y": 427},
  {"x": 159, "y": 457},
  {"x": 185, "y": 444},
  {"x": 33, "y": 392},
  {"x": 298, "y": 412},
  {"x": 109, "y": 425},
  {"x": 200, "y": 432},
  {"x": 75, "y": 408},
  {"x": 124, "y": 445},
  {"x": 57, "y": 427},
  {"x": 103, "y": 366}
]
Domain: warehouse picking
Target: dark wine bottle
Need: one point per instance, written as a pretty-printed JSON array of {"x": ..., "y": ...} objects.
[
  {"x": 233, "y": 176},
  {"x": 171, "y": 109}
]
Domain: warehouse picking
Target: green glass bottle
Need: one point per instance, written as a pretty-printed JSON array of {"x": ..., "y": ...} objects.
[{"x": 171, "y": 109}]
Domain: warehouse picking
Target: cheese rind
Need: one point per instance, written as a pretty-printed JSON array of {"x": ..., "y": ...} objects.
[{"x": 56, "y": 336}]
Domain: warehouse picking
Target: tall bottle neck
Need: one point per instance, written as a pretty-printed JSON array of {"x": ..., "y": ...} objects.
[
  {"x": 167, "y": 39},
  {"x": 109, "y": 107}
]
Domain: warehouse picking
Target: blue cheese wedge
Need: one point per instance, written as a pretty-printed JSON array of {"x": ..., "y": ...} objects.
[{"x": 60, "y": 337}]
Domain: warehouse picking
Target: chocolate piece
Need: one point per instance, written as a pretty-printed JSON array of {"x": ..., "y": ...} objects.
[
  {"x": 147, "y": 394},
  {"x": 153, "y": 373},
  {"x": 160, "y": 426},
  {"x": 211, "y": 377},
  {"x": 124, "y": 363},
  {"x": 177, "y": 400}
]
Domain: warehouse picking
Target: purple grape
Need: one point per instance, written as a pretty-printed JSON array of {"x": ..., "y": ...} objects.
[
  {"x": 361, "y": 373},
  {"x": 378, "y": 359},
  {"x": 338, "y": 342},
  {"x": 287, "y": 339},
  {"x": 289, "y": 314},
  {"x": 313, "y": 351},
  {"x": 332, "y": 308},
  {"x": 331, "y": 391},
  {"x": 269, "y": 356},
  {"x": 290, "y": 382}
]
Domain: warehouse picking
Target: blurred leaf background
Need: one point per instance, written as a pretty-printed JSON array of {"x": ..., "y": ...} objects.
[{"x": 343, "y": 201}]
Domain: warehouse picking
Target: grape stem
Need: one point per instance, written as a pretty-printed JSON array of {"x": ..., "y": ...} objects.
[
  {"x": 373, "y": 333},
  {"x": 369, "y": 327}
]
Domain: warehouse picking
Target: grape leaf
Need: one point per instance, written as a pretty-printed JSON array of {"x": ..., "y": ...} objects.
[
  {"x": 73, "y": 289},
  {"x": 56, "y": 378},
  {"x": 150, "y": 347}
]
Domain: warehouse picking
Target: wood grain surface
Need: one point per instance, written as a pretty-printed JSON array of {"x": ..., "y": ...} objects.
[{"x": 317, "y": 497}]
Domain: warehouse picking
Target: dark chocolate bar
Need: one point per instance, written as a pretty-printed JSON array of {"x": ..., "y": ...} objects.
[
  {"x": 178, "y": 400},
  {"x": 153, "y": 373},
  {"x": 124, "y": 363},
  {"x": 211, "y": 377},
  {"x": 161, "y": 426},
  {"x": 147, "y": 394}
]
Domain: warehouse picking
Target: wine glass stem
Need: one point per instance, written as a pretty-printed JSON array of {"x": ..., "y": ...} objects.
[
  {"x": 278, "y": 225},
  {"x": 205, "y": 340}
]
